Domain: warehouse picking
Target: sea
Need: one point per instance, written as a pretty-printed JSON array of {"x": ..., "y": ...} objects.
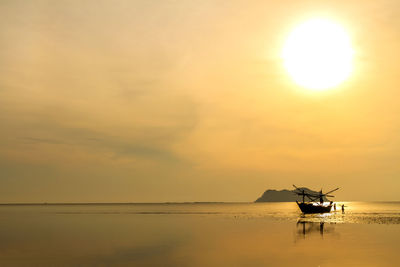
[{"x": 199, "y": 234}]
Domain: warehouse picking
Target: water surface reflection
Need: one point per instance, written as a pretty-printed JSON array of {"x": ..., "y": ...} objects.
[
  {"x": 305, "y": 229},
  {"x": 241, "y": 234}
]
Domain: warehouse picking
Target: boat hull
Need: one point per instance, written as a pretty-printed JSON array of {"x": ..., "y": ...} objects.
[{"x": 311, "y": 208}]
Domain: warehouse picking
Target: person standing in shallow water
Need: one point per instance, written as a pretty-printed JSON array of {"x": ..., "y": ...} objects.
[{"x": 343, "y": 208}]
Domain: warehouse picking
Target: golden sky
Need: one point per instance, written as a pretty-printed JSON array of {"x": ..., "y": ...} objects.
[{"x": 145, "y": 101}]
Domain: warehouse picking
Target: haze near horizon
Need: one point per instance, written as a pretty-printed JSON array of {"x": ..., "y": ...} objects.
[{"x": 155, "y": 101}]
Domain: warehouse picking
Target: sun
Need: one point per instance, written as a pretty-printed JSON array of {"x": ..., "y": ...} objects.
[{"x": 318, "y": 54}]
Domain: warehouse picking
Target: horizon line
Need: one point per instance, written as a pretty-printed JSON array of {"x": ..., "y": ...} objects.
[{"x": 166, "y": 202}]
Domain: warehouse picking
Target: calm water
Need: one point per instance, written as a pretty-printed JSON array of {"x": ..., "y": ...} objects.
[{"x": 227, "y": 234}]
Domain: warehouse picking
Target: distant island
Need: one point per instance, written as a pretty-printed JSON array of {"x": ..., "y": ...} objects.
[{"x": 284, "y": 195}]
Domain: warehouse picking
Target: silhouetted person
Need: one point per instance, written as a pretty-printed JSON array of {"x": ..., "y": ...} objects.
[
  {"x": 334, "y": 206},
  {"x": 343, "y": 208}
]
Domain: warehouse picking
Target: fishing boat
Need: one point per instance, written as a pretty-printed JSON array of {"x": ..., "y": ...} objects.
[{"x": 312, "y": 206}]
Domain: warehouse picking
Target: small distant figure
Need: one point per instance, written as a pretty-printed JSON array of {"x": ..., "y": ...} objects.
[
  {"x": 343, "y": 208},
  {"x": 334, "y": 206}
]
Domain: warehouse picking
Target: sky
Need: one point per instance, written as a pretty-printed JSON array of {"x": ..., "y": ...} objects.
[{"x": 155, "y": 101}]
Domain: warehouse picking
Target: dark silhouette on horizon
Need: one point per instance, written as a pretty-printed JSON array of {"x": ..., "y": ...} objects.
[{"x": 285, "y": 195}]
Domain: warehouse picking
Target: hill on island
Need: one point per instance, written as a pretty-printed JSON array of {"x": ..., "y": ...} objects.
[{"x": 284, "y": 195}]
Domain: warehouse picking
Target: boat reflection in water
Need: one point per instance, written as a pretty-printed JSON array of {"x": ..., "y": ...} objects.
[{"x": 306, "y": 228}]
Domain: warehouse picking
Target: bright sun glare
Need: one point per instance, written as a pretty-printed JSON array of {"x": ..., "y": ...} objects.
[{"x": 318, "y": 54}]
